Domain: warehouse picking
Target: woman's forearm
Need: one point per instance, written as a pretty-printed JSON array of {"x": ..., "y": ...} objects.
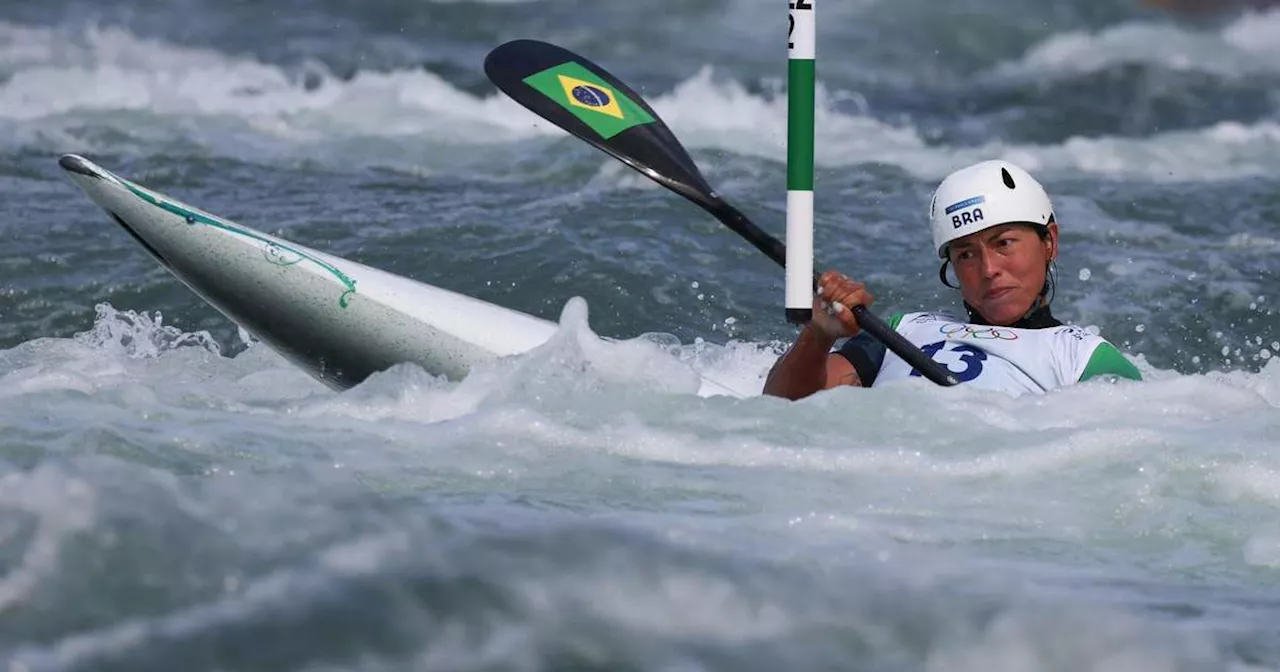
[{"x": 803, "y": 369}]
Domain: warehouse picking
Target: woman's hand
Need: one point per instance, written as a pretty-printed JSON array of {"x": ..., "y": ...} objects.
[{"x": 833, "y": 305}]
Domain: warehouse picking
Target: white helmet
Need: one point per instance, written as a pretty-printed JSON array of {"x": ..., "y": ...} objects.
[{"x": 984, "y": 195}]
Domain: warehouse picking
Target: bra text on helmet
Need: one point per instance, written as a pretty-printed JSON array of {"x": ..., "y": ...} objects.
[{"x": 966, "y": 218}]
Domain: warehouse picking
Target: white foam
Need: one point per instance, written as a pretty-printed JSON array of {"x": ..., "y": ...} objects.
[
  {"x": 1257, "y": 33},
  {"x": 125, "y": 353},
  {"x": 620, "y": 422},
  {"x": 1249, "y": 45},
  {"x": 575, "y": 362},
  {"x": 705, "y": 111},
  {"x": 1227, "y": 150},
  {"x": 103, "y": 69},
  {"x": 1027, "y": 640},
  {"x": 60, "y": 81},
  {"x": 756, "y": 125},
  {"x": 139, "y": 335},
  {"x": 62, "y": 506}
]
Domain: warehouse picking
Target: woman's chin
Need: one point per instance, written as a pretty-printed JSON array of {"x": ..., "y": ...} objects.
[{"x": 1002, "y": 312}]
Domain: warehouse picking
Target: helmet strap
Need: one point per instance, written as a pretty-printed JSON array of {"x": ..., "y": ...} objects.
[
  {"x": 942, "y": 275},
  {"x": 1050, "y": 282}
]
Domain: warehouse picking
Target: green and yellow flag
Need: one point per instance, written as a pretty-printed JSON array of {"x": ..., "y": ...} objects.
[{"x": 587, "y": 97}]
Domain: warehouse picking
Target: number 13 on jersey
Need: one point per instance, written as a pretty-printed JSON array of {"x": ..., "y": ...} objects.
[{"x": 963, "y": 355}]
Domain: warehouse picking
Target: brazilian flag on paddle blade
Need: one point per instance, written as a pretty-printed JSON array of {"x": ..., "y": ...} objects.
[{"x": 588, "y": 98}]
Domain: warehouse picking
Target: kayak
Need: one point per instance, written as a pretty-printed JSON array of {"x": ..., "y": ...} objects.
[{"x": 339, "y": 320}]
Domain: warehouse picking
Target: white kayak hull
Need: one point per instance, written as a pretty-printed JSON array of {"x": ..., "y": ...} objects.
[{"x": 339, "y": 320}]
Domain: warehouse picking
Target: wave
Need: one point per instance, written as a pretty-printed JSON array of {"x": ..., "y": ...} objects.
[
  {"x": 63, "y": 88},
  {"x": 1247, "y": 46}
]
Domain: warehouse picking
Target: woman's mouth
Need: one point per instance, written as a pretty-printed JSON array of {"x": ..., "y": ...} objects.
[{"x": 1000, "y": 293}]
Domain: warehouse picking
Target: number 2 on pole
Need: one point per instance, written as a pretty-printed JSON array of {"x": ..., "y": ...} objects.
[{"x": 797, "y": 5}]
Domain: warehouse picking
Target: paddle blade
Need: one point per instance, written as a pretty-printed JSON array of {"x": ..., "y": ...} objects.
[{"x": 585, "y": 100}]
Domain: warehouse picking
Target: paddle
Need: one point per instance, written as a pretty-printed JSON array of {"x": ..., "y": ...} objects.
[{"x": 593, "y": 105}]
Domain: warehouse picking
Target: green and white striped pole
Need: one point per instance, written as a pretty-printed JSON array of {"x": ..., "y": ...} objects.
[{"x": 800, "y": 83}]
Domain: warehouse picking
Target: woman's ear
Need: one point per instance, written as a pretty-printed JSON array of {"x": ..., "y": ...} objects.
[{"x": 1051, "y": 242}]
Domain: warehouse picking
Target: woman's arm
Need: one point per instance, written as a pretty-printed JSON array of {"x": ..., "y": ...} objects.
[{"x": 809, "y": 366}]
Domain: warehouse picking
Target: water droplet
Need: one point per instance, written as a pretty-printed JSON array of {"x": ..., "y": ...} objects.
[
  {"x": 1085, "y": 274},
  {"x": 731, "y": 321},
  {"x": 1140, "y": 328},
  {"x": 694, "y": 284},
  {"x": 1225, "y": 351},
  {"x": 1264, "y": 353},
  {"x": 702, "y": 296},
  {"x": 1191, "y": 276},
  {"x": 1195, "y": 360}
]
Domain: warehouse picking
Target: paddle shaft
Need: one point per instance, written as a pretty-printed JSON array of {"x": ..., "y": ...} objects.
[
  {"x": 775, "y": 250},
  {"x": 594, "y": 106}
]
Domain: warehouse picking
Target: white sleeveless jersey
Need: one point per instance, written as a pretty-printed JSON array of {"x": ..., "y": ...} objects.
[{"x": 1014, "y": 361}]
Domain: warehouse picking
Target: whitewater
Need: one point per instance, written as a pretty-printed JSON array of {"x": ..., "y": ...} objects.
[{"x": 174, "y": 495}]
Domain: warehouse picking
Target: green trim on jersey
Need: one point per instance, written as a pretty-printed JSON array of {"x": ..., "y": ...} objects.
[
  {"x": 895, "y": 319},
  {"x": 1106, "y": 360}
]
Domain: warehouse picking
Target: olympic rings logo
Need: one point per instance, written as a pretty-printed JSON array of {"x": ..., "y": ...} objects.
[{"x": 977, "y": 333}]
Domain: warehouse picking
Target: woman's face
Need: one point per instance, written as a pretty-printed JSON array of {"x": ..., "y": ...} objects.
[{"x": 1003, "y": 269}]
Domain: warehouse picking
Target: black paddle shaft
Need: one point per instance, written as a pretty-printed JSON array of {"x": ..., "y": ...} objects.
[
  {"x": 895, "y": 342},
  {"x": 593, "y": 105}
]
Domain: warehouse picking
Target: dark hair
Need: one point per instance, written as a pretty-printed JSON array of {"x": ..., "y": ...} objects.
[{"x": 1043, "y": 231}]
